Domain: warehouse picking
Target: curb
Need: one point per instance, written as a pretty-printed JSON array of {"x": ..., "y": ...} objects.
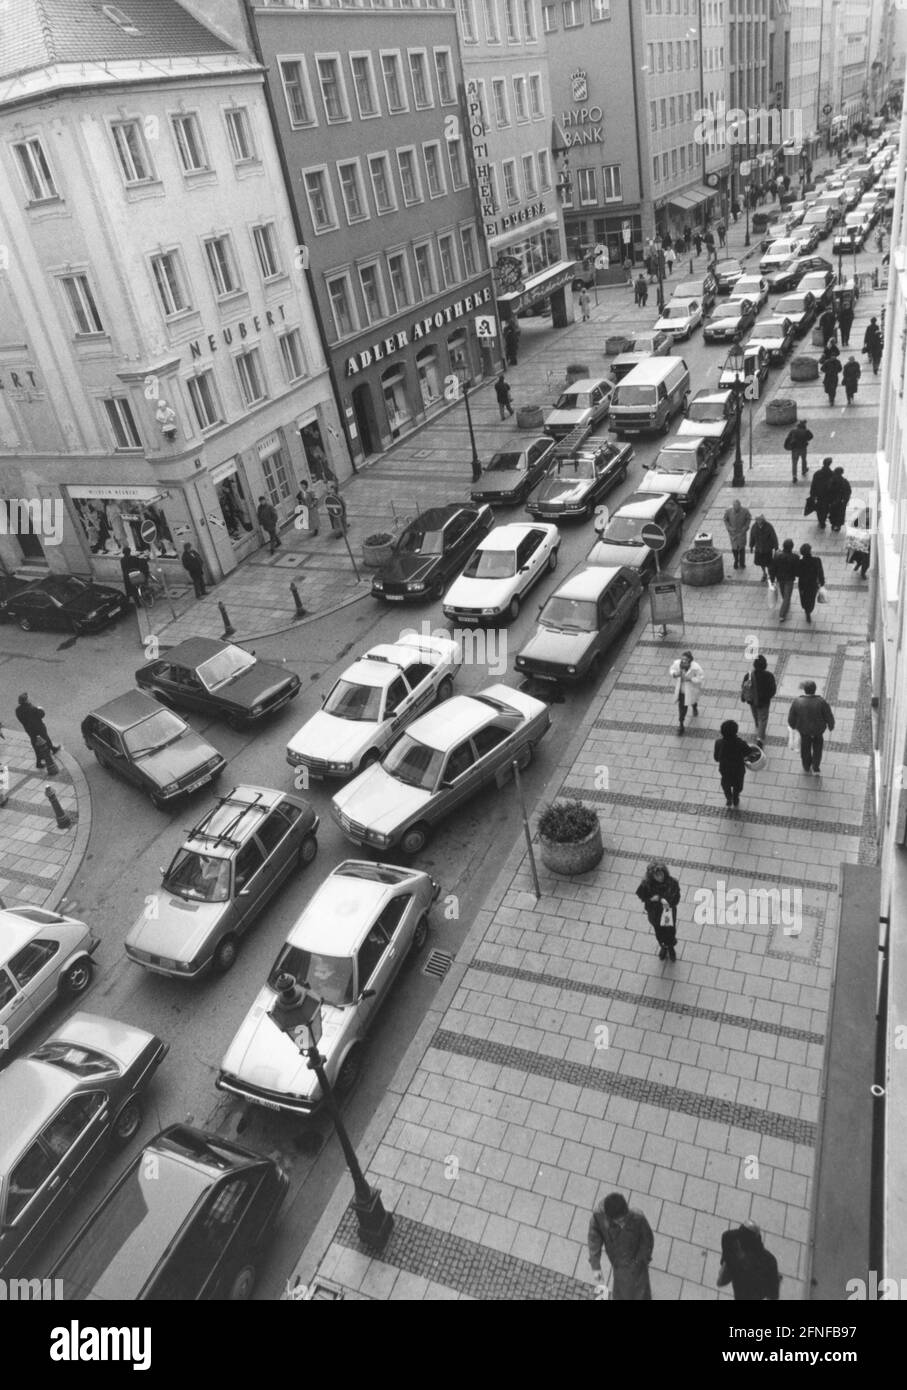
[
  {"x": 83, "y": 831},
  {"x": 164, "y": 646}
]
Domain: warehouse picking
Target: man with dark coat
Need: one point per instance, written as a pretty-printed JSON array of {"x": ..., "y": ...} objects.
[
  {"x": 747, "y": 1266},
  {"x": 763, "y": 543},
  {"x": 731, "y": 754},
  {"x": 627, "y": 1239},
  {"x": 810, "y": 579},
  {"x": 32, "y": 717},
  {"x": 762, "y": 690},
  {"x": 845, "y": 323},
  {"x": 839, "y": 498},
  {"x": 820, "y": 492},
  {"x": 194, "y": 566},
  {"x": 797, "y": 439},
  {"x": 784, "y": 570},
  {"x": 129, "y": 565},
  {"x": 659, "y": 893},
  {"x": 851, "y": 374},
  {"x": 811, "y": 716},
  {"x": 872, "y": 344},
  {"x": 267, "y": 520},
  {"x": 831, "y": 371},
  {"x": 502, "y": 396},
  {"x": 827, "y": 323}
]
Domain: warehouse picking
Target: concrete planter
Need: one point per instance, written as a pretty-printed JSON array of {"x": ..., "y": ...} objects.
[
  {"x": 614, "y": 345},
  {"x": 530, "y": 417},
  {"x": 817, "y": 339},
  {"x": 804, "y": 369},
  {"x": 781, "y": 412},
  {"x": 573, "y": 857},
  {"x": 703, "y": 565},
  {"x": 377, "y": 553}
]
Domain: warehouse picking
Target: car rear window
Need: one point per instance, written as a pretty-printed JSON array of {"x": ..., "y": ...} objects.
[
  {"x": 375, "y": 873},
  {"x": 81, "y": 1061}
]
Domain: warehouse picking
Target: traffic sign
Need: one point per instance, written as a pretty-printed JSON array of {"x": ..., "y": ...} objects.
[
  {"x": 626, "y": 232},
  {"x": 148, "y": 532},
  {"x": 486, "y": 326},
  {"x": 827, "y": 109},
  {"x": 653, "y": 536}
]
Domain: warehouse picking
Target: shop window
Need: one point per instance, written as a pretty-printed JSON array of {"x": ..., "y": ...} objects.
[
  {"x": 393, "y": 387},
  {"x": 315, "y": 453},
  {"x": 109, "y": 524},
  {"x": 276, "y": 470},
  {"x": 429, "y": 381}
]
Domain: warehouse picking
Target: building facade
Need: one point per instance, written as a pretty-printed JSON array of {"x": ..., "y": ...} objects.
[
  {"x": 369, "y": 108},
  {"x": 160, "y": 360}
]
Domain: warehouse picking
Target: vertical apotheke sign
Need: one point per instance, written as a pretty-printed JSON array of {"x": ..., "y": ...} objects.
[{"x": 477, "y": 132}]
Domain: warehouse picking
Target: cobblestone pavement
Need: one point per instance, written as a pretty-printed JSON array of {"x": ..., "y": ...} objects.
[{"x": 38, "y": 861}]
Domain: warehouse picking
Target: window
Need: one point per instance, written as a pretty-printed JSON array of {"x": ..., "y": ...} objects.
[
  {"x": 132, "y": 153},
  {"x": 549, "y": 18},
  {"x": 457, "y": 163},
  {"x": 653, "y": 115},
  {"x": 586, "y": 183},
  {"x": 35, "y": 171},
  {"x": 491, "y": 21},
  {"x": 364, "y": 84},
  {"x": 222, "y": 265},
  {"x": 672, "y": 111},
  {"x": 204, "y": 400},
  {"x": 520, "y": 101},
  {"x": 396, "y": 265},
  {"x": 292, "y": 355},
  {"x": 239, "y": 130},
  {"x": 409, "y": 176},
  {"x": 30, "y": 1173},
  {"x": 393, "y": 87},
  {"x": 446, "y": 93},
  {"x": 468, "y": 246},
  {"x": 572, "y": 14},
  {"x": 248, "y": 862},
  {"x": 511, "y": 25},
  {"x": 82, "y": 304},
  {"x": 277, "y": 484},
  {"x": 382, "y": 187},
  {"x": 536, "y": 104},
  {"x": 122, "y": 423},
  {"x": 544, "y": 170},
  {"x": 511, "y": 192},
  {"x": 529, "y": 29},
  {"x": 28, "y": 962},
  {"x": 189, "y": 144},
  {"x": 169, "y": 282},
  {"x": 432, "y": 154},
  {"x": 529, "y": 175},
  {"x": 333, "y": 95},
  {"x": 424, "y": 271},
  {"x": 341, "y": 304},
  {"x": 370, "y": 280},
  {"x": 449, "y": 272},
  {"x": 613, "y": 186},
  {"x": 599, "y": 9},
  {"x": 419, "y": 74},
  {"x": 499, "y": 97},
  {"x": 663, "y": 108},
  {"x": 321, "y": 204},
  {"x": 673, "y": 161},
  {"x": 351, "y": 189},
  {"x": 467, "y": 20},
  {"x": 296, "y": 94}
]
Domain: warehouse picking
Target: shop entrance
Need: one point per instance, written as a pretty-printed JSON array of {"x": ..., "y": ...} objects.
[
  {"x": 393, "y": 385},
  {"x": 234, "y": 505},
  {"x": 364, "y": 411},
  {"x": 316, "y": 458}
]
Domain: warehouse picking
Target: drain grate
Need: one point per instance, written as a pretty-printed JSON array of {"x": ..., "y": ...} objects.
[{"x": 438, "y": 964}]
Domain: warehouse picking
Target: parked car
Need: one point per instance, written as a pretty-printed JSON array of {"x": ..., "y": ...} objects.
[
  {"x": 727, "y": 273},
  {"x": 638, "y": 349},
  {"x": 776, "y": 232},
  {"x": 820, "y": 284},
  {"x": 809, "y": 238},
  {"x": 683, "y": 468},
  {"x": 679, "y": 318},
  {"x": 10, "y": 585},
  {"x": 754, "y": 287},
  {"x": 43, "y": 955},
  {"x": 220, "y": 880},
  {"x": 347, "y": 946},
  {"x": 821, "y": 218},
  {"x": 444, "y": 758},
  {"x": 620, "y": 540},
  {"x": 800, "y": 308},
  {"x": 580, "y": 623},
  {"x": 432, "y": 549},
  {"x": 65, "y": 603},
  {"x": 776, "y": 335},
  {"x": 513, "y": 473},
  {"x": 374, "y": 699},
  {"x": 783, "y": 276},
  {"x": 575, "y": 482},
  {"x": 189, "y": 1221},
  {"x": 220, "y": 679},
  {"x": 730, "y": 321},
  {"x": 851, "y": 235},
  {"x": 64, "y": 1107},
  {"x": 711, "y": 415},
  {"x": 584, "y": 403},
  {"x": 781, "y": 251},
  {"x": 501, "y": 572},
  {"x": 701, "y": 286},
  {"x": 789, "y": 275},
  {"x": 151, "y": 747},
  {"x": 755, "y": 365}
]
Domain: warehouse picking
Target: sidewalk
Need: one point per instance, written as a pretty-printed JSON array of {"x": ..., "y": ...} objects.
[{"x": 37, "y": 860}]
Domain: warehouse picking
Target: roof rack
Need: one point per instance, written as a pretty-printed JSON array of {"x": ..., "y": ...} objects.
[
  {"x": 572, "y": 441},
  {"x": 226, "y": 836}
]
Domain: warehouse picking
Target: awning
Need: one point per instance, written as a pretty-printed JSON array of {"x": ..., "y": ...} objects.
[
  {"x": 691, "y": 197},
  {"x": 547, "y": 280}
]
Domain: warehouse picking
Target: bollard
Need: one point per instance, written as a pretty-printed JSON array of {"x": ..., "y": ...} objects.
[
  {"x": 691, "y": 265},
  {"x": 64, "y": 819},
  {"x": 46, "y": 756},
  {"x": 300, "y": 611},
  {"x": 228, "y": 628}
]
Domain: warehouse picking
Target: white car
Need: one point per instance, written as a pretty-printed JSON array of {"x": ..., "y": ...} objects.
[
  {"x": 44, "y": 957},
  {"x": 501, "y": 571},
  {"x": 372, "y": 702},
  {"x": 584, "y": 403},
  {"x": 754, "y": 287},
  {"x": 782, "y": 250},
  {"x": 680, "y": 317}
]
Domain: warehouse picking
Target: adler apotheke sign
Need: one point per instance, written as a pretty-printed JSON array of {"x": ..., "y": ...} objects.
[{"x": 361, "y": 361}]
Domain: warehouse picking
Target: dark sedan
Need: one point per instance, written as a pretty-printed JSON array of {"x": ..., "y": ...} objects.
[
  {"x": 220, "y": 679},
  {"x": 776, "y": 335},
  {"x": 152, "y": 747},
  {"x": 576, "y": 482},
  {"x": 65, "y": 603},
  {"x": 790, "y": 275},
  {"x": 513, "y": 473},
  {"x": 9, "y": 585},
  {"x": 727, "y": 273},
  {"x": 431, "y": 552}
]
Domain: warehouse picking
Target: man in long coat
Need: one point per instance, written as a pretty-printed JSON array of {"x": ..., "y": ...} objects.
[{"x": 627, "y": 1239}]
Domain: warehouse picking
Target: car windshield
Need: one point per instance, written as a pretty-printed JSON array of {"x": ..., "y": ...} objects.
[
  {"x": 771, "y": 330},
  {"x": 749, "y": 286},
  {"x": 155, "y": 732},
  {"x": 706, "y": 410},
  {"x": 414, "y": 763},
  {"x": 581, "y": 465},
  {"x": 569, "y": 614},
  {"x": 64, "y": 587},
  {"x": 645, "y": 344},
  {"x": 635, "y": 395},
  {"x": 360, "y": 703},
  {"x": 624, "y": 530},
  {"x": 790, "y": 306},
  {"x": 415, "y": 541},
  {"x": 81, "y": 1061},
  {"x": 676, "y": 310},
  {"x": 573, "y": 400},
  {"x": 491, "y": 564},
  {"x": 328, "y": 977},
  {"x": 730, "y": 268},
  {"x": 505, "y": 463},
  {"x": 224, "y": 667},
  {"x": 674, "y": 463},
  {"x": 199, "y": 876}
]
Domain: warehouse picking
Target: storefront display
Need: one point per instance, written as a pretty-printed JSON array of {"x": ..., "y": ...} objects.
[{"x": 112, "y": 518}]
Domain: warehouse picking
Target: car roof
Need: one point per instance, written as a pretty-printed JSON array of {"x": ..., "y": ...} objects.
[
  {"x": 339, "y": 913},
  {"x": 366, "y": 671},
  {"x": 588, "y": 583},
  {"x": 750, "y": 275},
  {"x": 585, "y": 383},
  {"x": 509, "y": 536},
  {"x": 194, "y": 650},
  {"x": 235, "y": 817},
  {"x": 706, "y": 393},
  {"x": 30, "y": 1092},
  {"x": 680, "y": 443},
  {"x": 451, "y": 722},
  {"x": 16, "y": 932},
  {"x": 642, "y": 504},
  {"x": 436, "y": 518},
  {"x": 127, "y": 710}
]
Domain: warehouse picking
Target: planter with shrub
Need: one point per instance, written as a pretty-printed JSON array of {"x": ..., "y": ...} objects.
[
  {"x": 614, "y": 345},
  {"x": 530, "y": 417},
  {"x": 781, "y": 412},
  {"x": 702, "y": 564},
  {"x": 804, "y": 369},
  {"x": 377, "y": 549},
  {"x": 570, "y": 837}
]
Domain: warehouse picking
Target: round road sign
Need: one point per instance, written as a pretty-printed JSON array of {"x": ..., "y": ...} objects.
[
  {"x": 827, "y": 109},
  {"x": 148, "y": 532},
  {"x": 653, "y": 536}
]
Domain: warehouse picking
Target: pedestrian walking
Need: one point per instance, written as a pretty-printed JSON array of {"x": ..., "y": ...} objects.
[
  {"x": 32, "y": 718},
  {"x": 135, "y": 571},
  {"x": 757, "y": 689},
  {"x": 784, "y": 570},
  {"x": 797, "y": 441},
  {"x": 735, "y": 210},
  {"x": 688, "y": 676},
  {"x": 828, "y": 323},
  {"x": 747, "y": 1266},
  {"x": 335, "y": 507},
  {"x": 810, "y": 579},
  {"x": 811, "y": 717},
  {"x": 584, "y": 302},
  {"x": 697, "y": 241},
  {"x": 511, "y": 341},
  {"x": 840, "y": 496},
  {"x": 627, "y": 1239},
  {"x": 194, "y": 566},
  {"x": 850, "y": 375},
  {"x": 687, "y": 239},
  {"x": 831, "y": 371},
  {"x": 709, "y": 240},
  {"x": 502, "y": 393},
  {"x": 667, "y": 241},
  {"x": 737, "y": 520},
  {"x": 731, "y": 753},
  {"x": 721, "y": 229},
  {"x": 643, "y": 287},
  {"x": 659, "y": 893},
  {"x": 267, "y": 520},
  {"x": 652, "y": 266},
  {"x": 880, "y": 240},
  {"x": 820, "y": 493},
  {"x": 628, "y": 269},
  {"x": 845, "y": 323},
  {"x": 670, "y": 258},
  {"x": 830, "y": 350},
  {"x": 763, "y": 543},
  {"x": 872, "y": 344}
]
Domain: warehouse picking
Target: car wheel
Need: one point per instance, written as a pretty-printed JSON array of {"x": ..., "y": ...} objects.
[
  {"x": 445, "y": 690},
  {"x": 77, "y": 977},
  {"x": 524, "y": 757},
  {"x": 307, "y": 850},
  {"x": 128, "y": 1122},
  {"x": 513, "y": 609},
  {"x": 552, "y": 562},
  {"x": 414, "y": 840},
  {"x": 420, "y": 935},
  {"x": 369, "y": 759},
  {"x": 666, "y": 427},
  {"x": 157, "y": 801},
  {"x": 236, "y": 722},
  {"x": 100, "y": 758},
  {"x": 634, "y": 616},
  {"x": 242, "y": 1285},
  {"x": 349, "y": 1071},
  {"x": 24, "y": 623},
  {"x": 225, "y": 955}
]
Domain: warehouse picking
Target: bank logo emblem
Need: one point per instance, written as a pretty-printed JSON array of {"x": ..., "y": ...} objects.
[{"x": 579, "y": 85}]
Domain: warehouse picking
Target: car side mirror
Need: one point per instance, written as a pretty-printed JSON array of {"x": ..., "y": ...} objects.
[
  {"x": 244, "y": 892},
  {"x": 366, "y": 994}
]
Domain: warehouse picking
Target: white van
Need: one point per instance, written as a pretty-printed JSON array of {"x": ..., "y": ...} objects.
[{"x": 648, "y": 398}]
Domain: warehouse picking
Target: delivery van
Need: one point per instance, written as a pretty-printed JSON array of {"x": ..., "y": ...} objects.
[{"x": 648, "y": 398}]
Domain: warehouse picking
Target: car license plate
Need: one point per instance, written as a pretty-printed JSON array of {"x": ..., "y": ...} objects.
[
  {"x": 194, "y": 786},
  {"x": 394, "y": 598},
  {"x": 268, "y": 1104},
  {"x": 467, "y": 618}
]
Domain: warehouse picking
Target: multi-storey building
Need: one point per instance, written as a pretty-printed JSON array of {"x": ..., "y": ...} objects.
[
  {"x": 159, "y": 357},
  {"x": 370, "y": 113},
  {"x": 749, "y": 87},
  {"x": 801, "y": 75}
]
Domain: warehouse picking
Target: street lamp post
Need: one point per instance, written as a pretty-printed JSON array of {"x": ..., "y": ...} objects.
[
  {"x": 463, "y": 378},
  {"x": 735, "y": 364},
  {"x": 660, "y": 267}
]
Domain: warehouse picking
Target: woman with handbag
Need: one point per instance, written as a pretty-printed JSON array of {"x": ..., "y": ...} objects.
[
  {"x": 810, "y": 579},
  {"x": 659, "y": 894},
  {"x": 731, "y": 752},
  {"x": 763, "y": 543},
  {"x": 758, "y": 690}
]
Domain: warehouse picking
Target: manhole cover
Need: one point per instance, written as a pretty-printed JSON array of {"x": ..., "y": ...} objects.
[
  {"x": 438, "y": 964},
  {"x": 288, "y": 562}
]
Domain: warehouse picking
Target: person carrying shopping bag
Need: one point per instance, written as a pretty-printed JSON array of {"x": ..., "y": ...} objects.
[
  {"x": 757, "y": 690},
  {"x": 659, "y": 893}
]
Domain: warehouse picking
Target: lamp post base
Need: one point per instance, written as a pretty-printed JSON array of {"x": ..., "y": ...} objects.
[
  {"x": 738, "y": 480},
  {"x": 375, "y": 1224}
]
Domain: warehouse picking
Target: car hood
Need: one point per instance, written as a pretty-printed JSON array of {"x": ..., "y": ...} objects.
[
  {"x": 179, "y": 929},
  {"x": 263, "y": 1055},
  {"x": 671, "y": 325},
  {"x": 379, "y": 801},
  {"x": 501, "y": 480},
  {"x": 324, "y": 736},
  {"x": 575, "y": 416},
  {"x": 564, "y": 648},
  {"x": 675, "y": 483},
  {"x": 562, "y": 489},
  {"x": 479, "y": 593},
  {"x": 702, "y": 429},
  {"x": 408, "y": 569},
  {"x": 188, "y": 754},
  {"x": 260, "y": 683},
  {"x": 633, "y": 557},
  {"x": 95, "y": 596}
]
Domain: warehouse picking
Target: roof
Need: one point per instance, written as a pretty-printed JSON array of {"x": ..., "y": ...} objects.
[
  {"x": 373, "y": 673},
  {"x": 585, "y": 384},
  {"x": 229, "y": 818},
  {"x": 588, "y": 583},
  {"x": 680, "y": 444},
  {"x": 29, "y": 1094},
  {"x": 451, "y": 722},
  {"x": 339, "y": 914},
  {"x": 43, "y": 33},
  {"x": 16, "y": 932},
  {"x": 707, "y": 394},
  {"x": 436, "y": 518},
  {"x": 195, "y": 650},
  {"x": 127, "y": 710},
  {"x": 508, "y": 537},
  {"x": 644, "y": 506}
]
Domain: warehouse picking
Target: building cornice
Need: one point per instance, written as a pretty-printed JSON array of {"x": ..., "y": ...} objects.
[
  {"x": 162, "y": 369},
  {"x": 62, "y": 78}
]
